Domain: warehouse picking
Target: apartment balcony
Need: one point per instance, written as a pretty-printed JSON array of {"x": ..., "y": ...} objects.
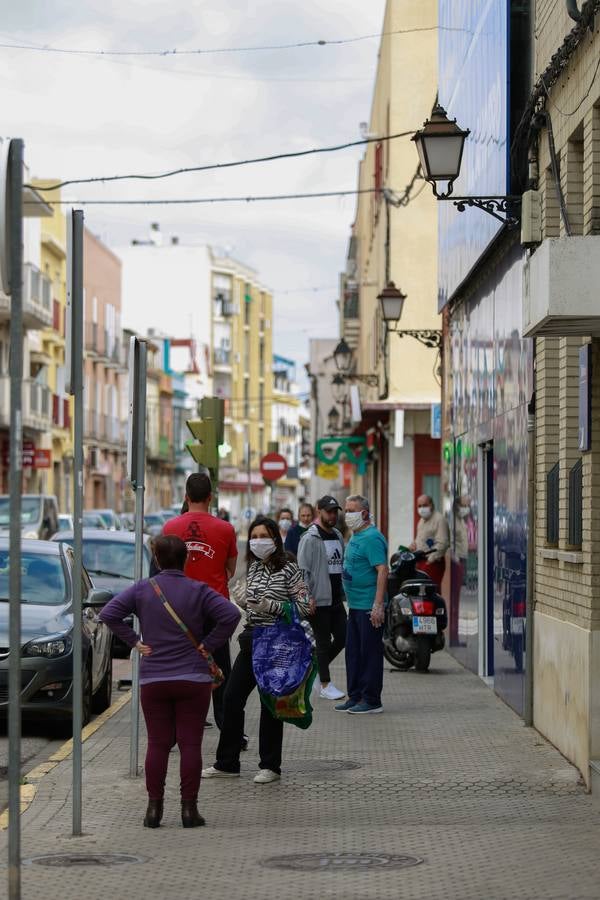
[
  {"x": 38, "y": 312},
  {"x": 100, "y": 427},
  {"x": 222, "y": 360},
  {"x": 37, "y": 405},
  {"x": 61, "y": 413},
  {"x": 165, "y": 448}
]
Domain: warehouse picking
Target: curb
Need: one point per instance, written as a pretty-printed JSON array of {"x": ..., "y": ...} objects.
[{"x": 33, "y": 778}]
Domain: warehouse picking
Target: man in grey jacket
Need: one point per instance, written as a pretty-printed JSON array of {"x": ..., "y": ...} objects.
[{"x": 320, "y": 557}]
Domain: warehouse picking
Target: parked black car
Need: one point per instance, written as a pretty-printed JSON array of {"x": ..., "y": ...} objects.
[
  {"x": 109, "y": 557},
  {"x": 47, "y": 635}
]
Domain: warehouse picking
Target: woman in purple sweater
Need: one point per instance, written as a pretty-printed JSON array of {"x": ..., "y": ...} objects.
[{"x": 175, "y": 680}]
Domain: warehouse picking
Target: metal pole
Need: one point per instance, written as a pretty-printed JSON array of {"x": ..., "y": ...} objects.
[
  {"x": 139, "y": 452},
  {"x": 249, "y": 472},
  {"x": 15, "y": 230},
  {"x": 76, "y": 385}
]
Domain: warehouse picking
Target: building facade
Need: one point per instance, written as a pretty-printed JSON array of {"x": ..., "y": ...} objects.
[
  {"x": 487, "y": 372},
  {"x": 393, "y": 239},
  {"x": 560, "y": 313},
  {"x": 286, "y": 434}
]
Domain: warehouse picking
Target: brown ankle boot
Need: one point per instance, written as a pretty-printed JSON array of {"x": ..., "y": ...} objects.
[
  {"x": 154, "y": 814},
  {"x": 190, "y": 817}
]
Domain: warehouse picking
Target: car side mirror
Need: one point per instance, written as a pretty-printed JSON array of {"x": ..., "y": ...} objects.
[{"x": 98, "y": 597}]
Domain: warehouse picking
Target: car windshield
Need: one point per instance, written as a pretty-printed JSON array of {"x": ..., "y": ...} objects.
[
  {"x": 42, "y": 578},
  {"x": 154, "y": 519},
  {"x": 64, "y": 523},
  {"x": 91, "y": 520},
  {"x": 111, "y": 558},
  {"x": 107, "y": 517},
  {"x": 31, "y": 510}
]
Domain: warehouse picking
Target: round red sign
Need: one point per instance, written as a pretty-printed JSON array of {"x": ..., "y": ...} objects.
[{"x": 273, "y": 466}]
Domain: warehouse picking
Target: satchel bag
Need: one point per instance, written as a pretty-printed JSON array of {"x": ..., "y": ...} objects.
[
  {"x": 214, "y": 671},
  {"x": 282, "y": 655}
]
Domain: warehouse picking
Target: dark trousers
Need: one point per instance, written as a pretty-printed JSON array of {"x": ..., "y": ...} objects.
[
  {"x": 364, "y": 658},
  {"x": 329, "y": 628},
  {"x": 240, "y": 685},
  {"x": 222, "y": 657},
  {"x": 175, "y": 712}
]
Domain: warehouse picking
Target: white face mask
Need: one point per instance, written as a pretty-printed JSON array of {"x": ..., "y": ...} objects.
[
  {"x": 354, "y": 520},
  {"x": 285, "y": 524},
  {"x": 262, "y": 547},
  {"x": 424, "y": 511},
  {"x": 463, "y": 511}
]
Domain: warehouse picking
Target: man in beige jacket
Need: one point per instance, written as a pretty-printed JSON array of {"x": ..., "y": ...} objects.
[{"x": 432, "y": 535}]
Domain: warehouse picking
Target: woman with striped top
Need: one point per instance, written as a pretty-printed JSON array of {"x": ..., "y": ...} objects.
[{"x": 273, "y": 580}]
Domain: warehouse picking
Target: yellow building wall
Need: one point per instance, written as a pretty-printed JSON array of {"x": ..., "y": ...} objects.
[{"x": 404, "y": 94}]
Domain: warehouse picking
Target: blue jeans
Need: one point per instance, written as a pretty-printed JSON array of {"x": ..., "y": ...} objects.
[{"x": 364, "y": 658}]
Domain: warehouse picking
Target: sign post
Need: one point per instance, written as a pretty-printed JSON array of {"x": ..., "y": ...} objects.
[
  {"x": 74, "y": 370},
  {"x": 12, "y": 277},
  {"x": 136, "y": 469}
]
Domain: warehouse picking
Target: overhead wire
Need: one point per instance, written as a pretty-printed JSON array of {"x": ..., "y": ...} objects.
[
  {"x": 190, "y": 201},
  {"x": 293, "y": 154}
]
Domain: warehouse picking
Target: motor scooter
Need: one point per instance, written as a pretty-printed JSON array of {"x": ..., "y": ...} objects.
[{"x": 415, "y": 616}]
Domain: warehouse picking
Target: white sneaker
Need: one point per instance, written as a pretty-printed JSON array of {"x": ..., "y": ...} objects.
[
  {"x": 266, "y": 776},
  {"x": 211, "y": 772},
  {"x": 331, "y": 692}
]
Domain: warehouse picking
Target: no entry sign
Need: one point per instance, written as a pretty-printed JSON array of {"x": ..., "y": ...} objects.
[{"x": 273, "y": 466}]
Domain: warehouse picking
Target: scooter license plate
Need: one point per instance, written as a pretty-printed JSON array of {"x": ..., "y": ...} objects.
[{"x": 424, "y": 625}]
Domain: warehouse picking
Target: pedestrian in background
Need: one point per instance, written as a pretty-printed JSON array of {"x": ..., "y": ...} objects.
[
  {"x": 433, "y": 538},
  {"x": 285, "y": 520},
  {"x": 365, "y": 583},
  {"x": 175, "y": 678},
  {"x": 273, "y": 582},
  {"x": 306, "y": 516},
  {"x": 321, "y": 557},
  {"x": 212, "y": 557}
]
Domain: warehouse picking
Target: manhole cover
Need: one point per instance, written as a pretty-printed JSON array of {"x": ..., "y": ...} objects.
[
  {"x": 334, "y": 861},
  {"x": 320, "y": 765},
  {"x": 70, "y": 860}
]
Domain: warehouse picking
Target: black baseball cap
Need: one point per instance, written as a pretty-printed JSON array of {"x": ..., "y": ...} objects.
[{"x": 328, "y": 503}]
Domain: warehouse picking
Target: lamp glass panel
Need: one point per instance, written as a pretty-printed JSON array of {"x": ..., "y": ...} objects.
[
  {"x": 391, "y": 308},
  {"x": 443, "y": 156}
]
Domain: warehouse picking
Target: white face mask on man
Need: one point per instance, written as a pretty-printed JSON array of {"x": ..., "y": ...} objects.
[
  {"x": 424, "y": 511},
  {"x": 354, "y": 520},
  {"x": 463, "y": 511},
  {"x": 262, "y": 547},
  {"x": 285, "y": 524}
]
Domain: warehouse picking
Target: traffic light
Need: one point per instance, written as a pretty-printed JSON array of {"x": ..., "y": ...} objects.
[
  {"x": 214, "y": 408},
  {"x": 204, "y": 450}
]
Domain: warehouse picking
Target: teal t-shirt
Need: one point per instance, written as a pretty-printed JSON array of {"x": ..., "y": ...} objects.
[{"x": 366, "y": 549}]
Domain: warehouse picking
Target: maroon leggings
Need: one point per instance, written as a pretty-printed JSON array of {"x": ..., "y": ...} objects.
[{"x": 175, "y": 712}]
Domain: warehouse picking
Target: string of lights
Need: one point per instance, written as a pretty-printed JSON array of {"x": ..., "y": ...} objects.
[
  {"x": 203, "y": 51},
  {"x": 190, "y": 201},
  {"x": 293, "y": 154}
]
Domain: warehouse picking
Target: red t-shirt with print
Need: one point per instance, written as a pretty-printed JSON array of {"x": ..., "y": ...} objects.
[{"x": 210, "y": 543}]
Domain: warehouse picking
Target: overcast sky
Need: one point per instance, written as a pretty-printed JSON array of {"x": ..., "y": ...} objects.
[{"x": 86, "y": 116}]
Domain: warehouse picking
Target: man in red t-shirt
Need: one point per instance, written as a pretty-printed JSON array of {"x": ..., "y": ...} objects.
[{"x": 212, "y": 556}]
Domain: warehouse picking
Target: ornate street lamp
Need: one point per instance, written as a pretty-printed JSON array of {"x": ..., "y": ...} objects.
[
  {"x": 440, "y": 144},
  {"x": 342, "y": 356},
  {"x": 338, "y": 388},
  {"x": 391, "y": 303},
  {"x": 333, "y": 420}
]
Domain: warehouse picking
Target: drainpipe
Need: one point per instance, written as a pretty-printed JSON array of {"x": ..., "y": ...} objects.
[{"x": 531, "y": 542}]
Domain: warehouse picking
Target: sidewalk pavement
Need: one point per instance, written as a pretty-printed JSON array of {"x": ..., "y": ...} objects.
[{"x": 447, "y": 780}]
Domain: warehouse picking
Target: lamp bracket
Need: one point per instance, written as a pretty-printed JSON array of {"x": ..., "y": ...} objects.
[
  {"x": 506, "y": 209},
  {"x": 370, "y": 380},
  {"x": 430, "y": 337}
]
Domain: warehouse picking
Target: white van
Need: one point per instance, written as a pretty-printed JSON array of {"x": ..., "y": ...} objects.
[{"x": 39, "y": 515}]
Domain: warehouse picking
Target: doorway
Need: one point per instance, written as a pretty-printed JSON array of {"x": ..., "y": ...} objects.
[{"x": 485, "y": 552}]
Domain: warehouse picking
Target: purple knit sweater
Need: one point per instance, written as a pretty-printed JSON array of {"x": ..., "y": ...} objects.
[{"x": 210, "y": 617}]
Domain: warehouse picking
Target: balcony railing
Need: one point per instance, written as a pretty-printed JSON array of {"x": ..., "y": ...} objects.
[
  {"x": 36, "y": 404},
  {"x": 222, "y": 356},
  {"x": 102, "y": 427},
  {"x": 576, "y": 504},
  {"x": 37, "y": 298},
  {"x": 552, "y": 504}
]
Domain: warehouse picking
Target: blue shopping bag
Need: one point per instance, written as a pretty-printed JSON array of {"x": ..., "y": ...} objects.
[{"x": 281, "y": 655}]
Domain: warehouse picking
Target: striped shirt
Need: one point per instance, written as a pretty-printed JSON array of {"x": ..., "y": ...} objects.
[{"x": 279, "y": 588}]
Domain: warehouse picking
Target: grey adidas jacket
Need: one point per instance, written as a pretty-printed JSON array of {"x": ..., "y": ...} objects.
[{"x": 312, "y": 559}]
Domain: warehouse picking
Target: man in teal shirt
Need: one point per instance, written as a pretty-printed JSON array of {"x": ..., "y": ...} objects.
[{"x": 364, "y": 577}]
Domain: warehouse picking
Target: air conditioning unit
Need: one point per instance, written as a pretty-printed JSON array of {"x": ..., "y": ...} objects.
[{"x": 228, "y": 308}]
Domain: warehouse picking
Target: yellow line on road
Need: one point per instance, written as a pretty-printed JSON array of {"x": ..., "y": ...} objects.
[{"x": 33, "y": 778}]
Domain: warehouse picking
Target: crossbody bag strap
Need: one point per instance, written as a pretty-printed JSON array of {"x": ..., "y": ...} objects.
[{"x": 215, "y": 671}]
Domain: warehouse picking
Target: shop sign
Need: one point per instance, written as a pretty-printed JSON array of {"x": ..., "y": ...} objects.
[{"x": 328, "y": 471}]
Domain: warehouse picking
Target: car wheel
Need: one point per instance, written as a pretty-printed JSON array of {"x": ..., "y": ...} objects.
[{"x": 102, "y": 697}]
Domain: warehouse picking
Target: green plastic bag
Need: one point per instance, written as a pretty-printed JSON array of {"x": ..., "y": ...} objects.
[{"x": 294, "y": 708}]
